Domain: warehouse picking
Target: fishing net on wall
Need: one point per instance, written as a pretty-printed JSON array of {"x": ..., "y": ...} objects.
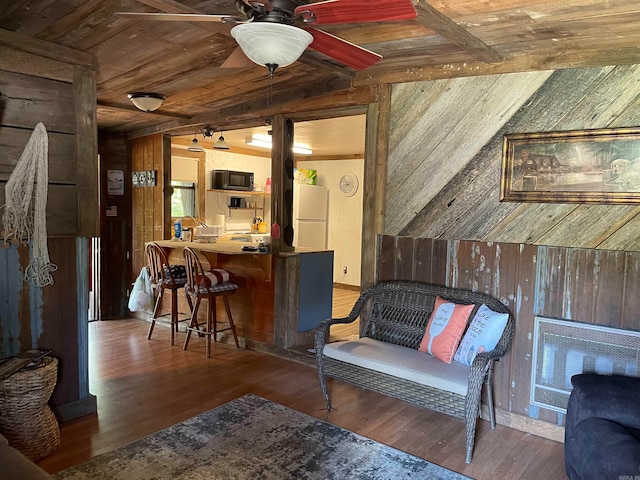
[{"x": 24, "y": 215}]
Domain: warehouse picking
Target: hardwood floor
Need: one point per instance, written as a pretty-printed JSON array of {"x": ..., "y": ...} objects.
[
  {"x": 343, "y": 300},
  {"x": 143, "y": 386}
]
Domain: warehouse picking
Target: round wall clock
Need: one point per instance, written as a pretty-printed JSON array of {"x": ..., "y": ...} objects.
[{"x": 348, "y": 184}]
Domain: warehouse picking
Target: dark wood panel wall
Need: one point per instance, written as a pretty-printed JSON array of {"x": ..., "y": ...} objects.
[
  {"x": 115, "y": 237},
  {"x": 584, "y": 285},
  {"x": 43, "y": 82}
]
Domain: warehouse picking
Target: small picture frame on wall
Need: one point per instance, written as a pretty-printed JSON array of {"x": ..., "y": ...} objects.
[
  {"x": 580, "y": 166},
  {"x": 151, "y": 178},
  {"x": 115, "y": 182}
]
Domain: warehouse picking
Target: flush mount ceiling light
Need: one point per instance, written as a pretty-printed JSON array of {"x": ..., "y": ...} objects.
[
  {"x": 146, "y": 101},
  {"x": 264, "y": 141},
  {"x": 271, "y": 44},
  {"x": 207, "y": 132}
]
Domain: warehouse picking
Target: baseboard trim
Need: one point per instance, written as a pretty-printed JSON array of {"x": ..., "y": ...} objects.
[
  {"x": 533, "y": 426},
  {"x": 79, "y": 408}
]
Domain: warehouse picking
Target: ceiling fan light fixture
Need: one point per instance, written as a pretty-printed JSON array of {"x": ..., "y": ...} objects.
[
  {"x": 268, "y": 43},
  {"x": 146, "y": 101}
]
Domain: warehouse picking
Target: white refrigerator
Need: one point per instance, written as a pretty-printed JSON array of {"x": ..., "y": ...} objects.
[{"x": 310, "y": 205}]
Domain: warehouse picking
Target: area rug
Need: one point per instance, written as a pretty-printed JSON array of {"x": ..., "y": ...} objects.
[{"x": 253, "y": 438}]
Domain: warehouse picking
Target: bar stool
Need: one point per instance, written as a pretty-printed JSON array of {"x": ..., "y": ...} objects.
[
  {"x": 165, "y": 276},
  {"x": 207, "y": 285}
]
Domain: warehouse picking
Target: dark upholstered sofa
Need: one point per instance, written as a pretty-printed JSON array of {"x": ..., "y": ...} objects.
[{"x": 602, "y": 433}]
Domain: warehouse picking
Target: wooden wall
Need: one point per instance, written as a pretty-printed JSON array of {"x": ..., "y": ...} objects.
[
  {"x": 115, "y": 230},
  {"x": 594, "y": 286},
  {"x": 446, "y": 150},
  {"x": 150, "y": 207},
  {"x": 43, "y": 82},
  {"x": 443, "y": 183}
]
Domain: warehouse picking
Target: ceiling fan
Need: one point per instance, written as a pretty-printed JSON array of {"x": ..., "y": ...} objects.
[{"x": 274, "y": 33}]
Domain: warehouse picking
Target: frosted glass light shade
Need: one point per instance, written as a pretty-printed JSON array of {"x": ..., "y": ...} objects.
[
  {"x": 221, "y": 144},
  {"x": 271, "y": 43},
  {"x": 145, "y": 101},
  {"x": 195, "y": 147}
]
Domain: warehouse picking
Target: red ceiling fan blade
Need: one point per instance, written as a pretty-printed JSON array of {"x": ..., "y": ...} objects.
[
  {"x": 237, "y": 59},
  {"x": 345, "y": 52},
  {"x": 356, "y": 11},
  {"x": 182, "y": 17}
]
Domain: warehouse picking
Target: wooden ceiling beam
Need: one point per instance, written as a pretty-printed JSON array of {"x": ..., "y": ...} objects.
[
  {"x": 532, "y": 63},
  {"x": 447, "y": 28},
  {"x": 126, "y": 108},
  {"x": 315, "y": 97},
  {"x": 310, "y": 59},
  {"x": 43, "y": 48}
]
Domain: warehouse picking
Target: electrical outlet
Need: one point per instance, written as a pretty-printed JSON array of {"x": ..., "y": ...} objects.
[{"x": 344, "y": 270}]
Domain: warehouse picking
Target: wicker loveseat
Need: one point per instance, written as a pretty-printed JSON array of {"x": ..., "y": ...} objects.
[{"x": 390, "y": 333}]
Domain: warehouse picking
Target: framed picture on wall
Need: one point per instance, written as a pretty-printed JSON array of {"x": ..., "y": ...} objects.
[
  {"x": 580, "y": 166},
  {"x": 115, "y": 182}
]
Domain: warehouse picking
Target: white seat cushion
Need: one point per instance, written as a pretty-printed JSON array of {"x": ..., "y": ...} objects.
[{"x": 402, "y": 362}]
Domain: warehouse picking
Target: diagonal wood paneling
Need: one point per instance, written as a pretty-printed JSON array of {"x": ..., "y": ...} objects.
[
  {"x": 455, "y": 127},
  {"x": 445, "y": 186}
]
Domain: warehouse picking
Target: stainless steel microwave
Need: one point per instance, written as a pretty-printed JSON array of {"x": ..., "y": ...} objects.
[{"x": 231, "y": 180}]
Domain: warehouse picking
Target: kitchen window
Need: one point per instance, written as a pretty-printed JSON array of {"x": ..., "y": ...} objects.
[{"x": 183, "y": 199}]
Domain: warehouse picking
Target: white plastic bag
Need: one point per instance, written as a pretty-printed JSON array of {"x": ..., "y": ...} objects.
[{"x": 142, "y": 298}]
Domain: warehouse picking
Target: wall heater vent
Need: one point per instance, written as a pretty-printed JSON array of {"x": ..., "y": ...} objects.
[{"x": 562, "y": 349}]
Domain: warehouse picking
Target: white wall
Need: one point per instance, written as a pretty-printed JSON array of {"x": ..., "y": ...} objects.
[
  {"x": 345, "y": 216},
  {"x": 344, "y": 234},
  {"x": 216, "y": 203}
]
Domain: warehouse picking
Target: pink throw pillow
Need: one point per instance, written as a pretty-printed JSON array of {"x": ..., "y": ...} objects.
[{"x": 445, "y": 328}]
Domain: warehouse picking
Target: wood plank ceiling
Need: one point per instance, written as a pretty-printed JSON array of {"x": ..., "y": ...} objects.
[{"x": 182, "y": 60}]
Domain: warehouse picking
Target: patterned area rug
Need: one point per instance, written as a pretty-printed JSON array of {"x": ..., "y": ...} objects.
[{"x": 253, "y": 438}]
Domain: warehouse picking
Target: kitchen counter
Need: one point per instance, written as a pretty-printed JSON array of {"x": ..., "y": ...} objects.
[
  {"x": 281, "y": 298},
  {"x": 252, "y": 304},
  {"x": 225, "y": 246}
]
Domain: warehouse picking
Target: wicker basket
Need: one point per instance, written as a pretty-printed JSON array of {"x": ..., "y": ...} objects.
[{"x": 26, "y": 419}]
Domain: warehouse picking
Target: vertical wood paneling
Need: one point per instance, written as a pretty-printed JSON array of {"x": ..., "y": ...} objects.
[
  {"x": 375, "y": 177},
  {"x": 61, "y": 304},
  {"x": 504, "y": 289},
  {"x": 405, "y": 261},
  {"x": 608, "y": 288},
  {"x": 423, "y": 248},
  {"x": 550, "y": 282},
  {"x": 15, "y": 335},
  {"x": 581, "y": 285},
  {"x": 439, "y": 265},
  {"x": 521, "y": 353},
  {"x": 584, "y": 285},
  {"x": 631, "y": 297},
  {"x": 86, "y": 153},
  {"x": 149, "y": 216},
  {"x": 385, "y": 265},
  {"x": 115, "y": 232}
]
